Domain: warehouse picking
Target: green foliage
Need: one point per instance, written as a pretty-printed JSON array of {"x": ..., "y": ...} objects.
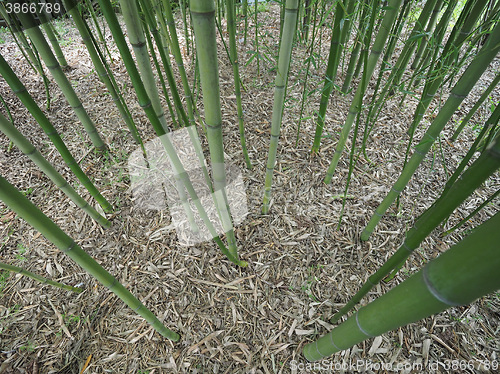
[
  {"x": 3, "y": 34},
  {"x": 4, "y": 275},
  {"x": 28, "y": 347},
  {"x": 21, "y": 250}
]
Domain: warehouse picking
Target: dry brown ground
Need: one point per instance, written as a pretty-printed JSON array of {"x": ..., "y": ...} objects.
[{"x": 302, "y": 268}]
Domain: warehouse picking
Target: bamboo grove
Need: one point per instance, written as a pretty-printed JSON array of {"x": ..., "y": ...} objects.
[{"x": 445, "y": 52}]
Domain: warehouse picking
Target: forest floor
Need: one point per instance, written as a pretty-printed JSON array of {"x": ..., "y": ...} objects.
[{"x": 302, "y": 267}]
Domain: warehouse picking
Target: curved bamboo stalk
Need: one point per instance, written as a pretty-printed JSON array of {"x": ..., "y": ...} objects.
[
  {"x": 16, "y": 201},
  {"x": 185, "y": 84},
  {"x": 29, "y": 150},
  {"x": 489, "y": 124},
  {"x": 290, "y": 24},
  {"x": 478, "y": 172},
  {"x": 457, "y": 95},
  {"x": 150, "y": 28},
  {"x": 21, "y": 92},
  {"x": 26, "y": 49},
  {"x": 397, "y": 71},
  {"x": 378, "y": 45},
  {"x": 39, "y": 278},
  {"x": 436, "y": 39},
  {"x": 428, "y": 32},
  {"x": 445, "y": 63},
  {"x": 309, "y": 60},
  {"x": 165, "y": 58},
  {"x": 464, "y": 273},
  {"x": 397, "y": 28},
  {"x": 178, "y": 59},
  {"x": 411, "y": 44},
  {"x": 29, "y": 53},
  {"x": 62, "y": 81}
]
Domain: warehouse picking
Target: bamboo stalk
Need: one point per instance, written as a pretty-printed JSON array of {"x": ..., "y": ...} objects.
[
  {"x": 285, "y": 53},
  {"x": 231, "y": 30},
  {"x": 49, "y": 31},
  {"x": 476, "y": 106},
  {"x": 101, "y": 70},
  {"x": 464, "y": 273},
  {"x": 39, "y": 278},
  {"x": 145, "y": 103},
  {"x": 137, "y": 40},
  {"x": 62, "y": 81},
  {"x": 29, "y": 150},
  {"x": 330, "y": 74},
  {"x": 21, "y": 92},
  {"x": 473, "y": 177},
  {"x": 354, "y": 109},
  {"x": 457, "y": 95},
  {"x": 203, "y": 18},
  {"x": 16, "y": 201}
]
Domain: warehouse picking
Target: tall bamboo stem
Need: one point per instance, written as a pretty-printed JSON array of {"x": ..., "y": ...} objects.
[
  {"x": 21, "y": 92},
  {"x": 457, "y": 95},
  {"x": 290, "y": 24},
  {"x": 28, "y": 149},
  {"x": 55, "y": 69},
  {"x": 459, "y": 276},
  {"x": 389, "y": 18},
  {"x": 16, "y": 201}
]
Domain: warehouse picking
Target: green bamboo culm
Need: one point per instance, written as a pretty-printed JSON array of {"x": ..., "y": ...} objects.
[
  {"x": 16, "y": 201},
  {"x": 49, "y": 31},
  {"x": 39, "y": 278},
  {"x": 233, "y": 52},
  {"x": 487, "y": 164},
  {"x": 472, "y": 214},
  {"x": 360, "y": 41},
  {"x": 203, "y": 19},
  {"x": 20, "y": 90},
  {"x": 97, "y": 59},
  {"x": 457, "y": 95},
  {"x": 25, "y": 47},
  {"x": 464, "y": 273},
  {"x": 428, "y": 31},
  {"x": 285, "y": 53},
  {"x": 62, "y": 81},
  {"x": 435, "y": 40},
  {"x": 138, "y": 42},
  {"x": 392, "y": 11},
  {"x": 174, "y": 41},
  {"x": 19, "y": 37},
  {"x": 476, "y": 106},
  {"x": 404, "y": 57},
  {"x": 165, "y": 58},
  {"x": 488, "y": 125},
  {"x": 331, "y": 73},
  {"x": 150, "y": 28},
  {"x": 444, "y": 66},
  {"x": 28, "y": 149},
  {"x": 175, "y": 48},
  {"x": 145, "y": 103}
]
